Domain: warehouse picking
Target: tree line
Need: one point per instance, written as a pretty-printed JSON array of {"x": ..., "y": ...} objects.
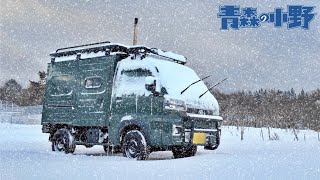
[
  {"x": 261, "y": 108},
  {"x": 12, "y": 91},
  {"x": 271, "y": 108}
]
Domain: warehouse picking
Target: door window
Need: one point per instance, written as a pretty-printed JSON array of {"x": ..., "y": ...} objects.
[
  {"x": 61, "y": 85},
  {"x": 132, "y": 82}
]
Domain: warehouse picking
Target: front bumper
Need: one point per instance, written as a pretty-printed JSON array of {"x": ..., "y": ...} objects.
[
  {"x": 198, "y": 130},
  {"x": 198, "y": 136}
]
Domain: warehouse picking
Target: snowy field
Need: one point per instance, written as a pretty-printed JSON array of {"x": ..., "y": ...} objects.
[{"x": 25, "y": 153}]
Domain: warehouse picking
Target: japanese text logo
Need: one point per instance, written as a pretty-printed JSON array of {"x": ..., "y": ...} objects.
[{"x": 234, "y": 17}]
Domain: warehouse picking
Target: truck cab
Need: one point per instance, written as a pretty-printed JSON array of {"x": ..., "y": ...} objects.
[{"x": 133, "y": 100}]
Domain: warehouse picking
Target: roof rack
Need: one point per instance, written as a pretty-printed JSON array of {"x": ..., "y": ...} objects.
[
  {"x": 111, "y": 47},
  {"x": 73, "y": 51},
  {"x": 158, "y": 52},
  {"x": 71, "y": 47}
]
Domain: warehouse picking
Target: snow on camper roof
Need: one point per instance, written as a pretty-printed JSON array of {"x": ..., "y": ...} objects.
[
  {"x": 170, "y": 55},
  {"x": 104, "y": 48}
]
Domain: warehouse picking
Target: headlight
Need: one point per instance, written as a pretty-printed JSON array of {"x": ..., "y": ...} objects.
[
  {"x": 175, "y": 104},
  {"x": 215, "y": 110},
  {"x": 176, "y": 130},
  {"x": 219, "y": 124}
]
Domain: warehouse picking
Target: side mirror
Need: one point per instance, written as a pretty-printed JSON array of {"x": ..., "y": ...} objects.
[{"x": 152, "y": 84}]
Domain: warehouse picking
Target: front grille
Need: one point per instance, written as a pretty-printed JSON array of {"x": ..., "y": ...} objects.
[
  {"x": 205, "y": 124},
  {"x": 199, "y": 111}
]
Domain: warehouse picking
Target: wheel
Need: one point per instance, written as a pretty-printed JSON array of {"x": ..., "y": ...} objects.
[
  {"x": 213, "y": 147},
  {"x": 208, "y": 147},
  {"x": 193, "y": 150},
  {"x": 63, "y": 140},
  {"x": 182, "y": 151},
  {"x": 135, "y": 145}
]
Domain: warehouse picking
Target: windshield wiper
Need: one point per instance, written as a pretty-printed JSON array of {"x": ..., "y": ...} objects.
[
  {"x": 194, "y": 83},
  {"x": 212, "y": 87}
]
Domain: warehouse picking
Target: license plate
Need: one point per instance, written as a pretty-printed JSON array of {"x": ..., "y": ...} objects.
[{"x": 199, "y": 138}]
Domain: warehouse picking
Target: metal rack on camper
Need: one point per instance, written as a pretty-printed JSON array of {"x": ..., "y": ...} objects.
[{"x": 109, "y": 48}]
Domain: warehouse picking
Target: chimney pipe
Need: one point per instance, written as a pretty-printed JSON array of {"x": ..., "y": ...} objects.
[{"x": 135, "y": 31}]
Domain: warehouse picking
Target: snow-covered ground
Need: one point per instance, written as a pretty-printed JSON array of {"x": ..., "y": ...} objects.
[{"x": 25, "y": 153}]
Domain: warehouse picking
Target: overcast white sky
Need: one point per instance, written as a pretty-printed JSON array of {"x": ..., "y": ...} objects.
[{"x": 265, "y": 57}]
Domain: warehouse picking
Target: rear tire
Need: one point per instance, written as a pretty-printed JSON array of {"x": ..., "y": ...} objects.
[
  {"x": 135, "y": 145},
  {"x": 182, "y": 151},
  {"x": 63, "y": 140}
]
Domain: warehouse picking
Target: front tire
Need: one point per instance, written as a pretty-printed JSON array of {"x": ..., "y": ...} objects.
[
  {"x": 213, "y": 147},
  {"x": 63, "y": 140},
  {"x": 182, "y": 151},
  {"x": 135, "y": 145}
]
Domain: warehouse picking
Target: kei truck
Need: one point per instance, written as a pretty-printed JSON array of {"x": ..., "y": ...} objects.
[{"x": 129, "y": 99}]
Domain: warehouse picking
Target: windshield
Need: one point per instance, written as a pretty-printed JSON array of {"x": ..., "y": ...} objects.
[{"x": 174, "y": 78}]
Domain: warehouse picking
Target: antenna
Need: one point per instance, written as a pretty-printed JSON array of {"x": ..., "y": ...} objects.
[{"x": 135, "y": 26}]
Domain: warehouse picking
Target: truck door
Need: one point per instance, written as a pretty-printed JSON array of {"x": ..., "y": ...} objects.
[
  {"x": 132, "y": 103},
  {"x": 94, "y": 91}
]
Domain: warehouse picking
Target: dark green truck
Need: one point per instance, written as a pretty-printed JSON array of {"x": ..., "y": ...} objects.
[{"x": 131, "y": 99}]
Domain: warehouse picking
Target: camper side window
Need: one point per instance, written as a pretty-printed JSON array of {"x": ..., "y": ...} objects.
[
  {"x": 92, "y": 82},
  {"x": 61, "y": 85}
]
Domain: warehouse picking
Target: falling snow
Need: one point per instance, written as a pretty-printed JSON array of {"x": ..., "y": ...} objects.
[
  {"x": 31, "y": 157},
  {"x": 266, "y": 57}
]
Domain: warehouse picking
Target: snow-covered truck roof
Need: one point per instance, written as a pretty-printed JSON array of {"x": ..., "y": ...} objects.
[{"x": 107, "y": 48}]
